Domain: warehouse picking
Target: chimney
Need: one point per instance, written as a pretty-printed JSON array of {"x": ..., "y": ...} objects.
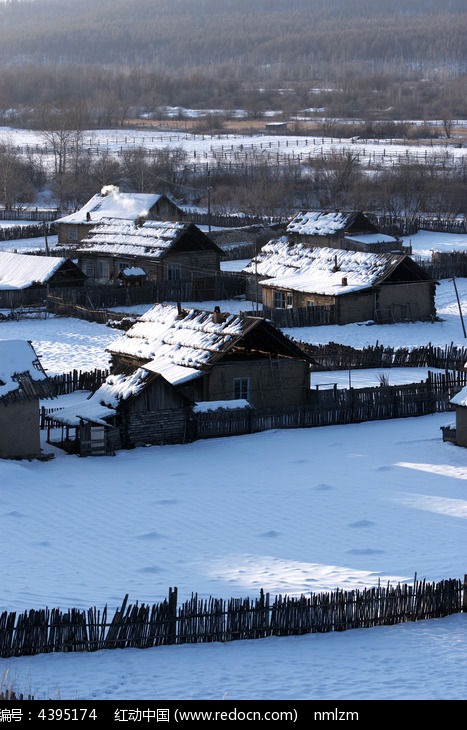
[
  {"x": 218, "y": 316},
  {"x": 106, "y": 189},
  {"x": 344, "y": 281},
  {"x": 181, "y": 312},
  {"x": 336, "y": 266}
]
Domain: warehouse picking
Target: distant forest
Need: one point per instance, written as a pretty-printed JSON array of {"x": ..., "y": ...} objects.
[{"x": 100, "y": 63}]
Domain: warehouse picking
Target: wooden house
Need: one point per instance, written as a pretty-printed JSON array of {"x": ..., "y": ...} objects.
[
  {"x": 127, "y": 410},
  {"x": 22, "y": 383},
  {"x": 214, "y": 356},
  {"x": 161, "y": 251},
  {"x": 358, "y": 286},
  {"x": 173, "y": 362},
  {"x": 26, "y": 278},
  {"x": 112, "y": 203},
  {"x": 351, "y": 230}
]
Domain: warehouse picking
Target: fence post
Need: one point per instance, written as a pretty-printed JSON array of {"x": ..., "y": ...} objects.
[
  {"x": 172, "y": 635},
  {"x": 464, "y": 595}
]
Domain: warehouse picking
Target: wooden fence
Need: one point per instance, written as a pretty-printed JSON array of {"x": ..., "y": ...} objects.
[
  {"x": 334, "y": 356},
  {"x": 300, "y": 316},
  {"x": 336, "y": 406},
  {"x": 326, "y": 407},
  {"x": 409, "y": 226},
  {"x": 233, "y": 221},
  {"x": 30, "y": 214},
  {"x": 12, "y": 233},
  {"x": 444, "y": 265},
  {"x": 219, "y": 286},
  {"x": 66, "y": 383},
  {"x": 206, "y": 620}
]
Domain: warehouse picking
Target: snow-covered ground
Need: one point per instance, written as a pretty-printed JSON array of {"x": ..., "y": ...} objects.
[{"x": 290, "y": 511}]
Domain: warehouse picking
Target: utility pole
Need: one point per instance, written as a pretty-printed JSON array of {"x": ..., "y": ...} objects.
[
  {"x": 209, "y": 200},
  {"x": 46, "y": 240},
  {"x": 459, "y": 305}
]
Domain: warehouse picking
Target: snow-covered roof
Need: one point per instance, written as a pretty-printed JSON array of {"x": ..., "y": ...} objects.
[
  {"x": 319, "y": 270},
  {"x": 216, "y": 405},
  {"x": 152, "y": 239},
  {"x": 460, "y": 399},
  {"x": 21, "y": 270},
  {"x": 111, "y": 203},
  {"x": 279, "y": 257},
  {"x": 133, "y": 271},
  {"x": 104, "y": 401},
  {"x": 17, "y": 357},
  {"x": 179, "y": 346},
  {"x": 318, "y": 223}
]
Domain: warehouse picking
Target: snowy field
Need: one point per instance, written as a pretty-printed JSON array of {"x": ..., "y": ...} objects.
[
  {"x": 288, "y": 511},
  {"x": 292, "y": 512},
  {"x": 207, "y": 150}
]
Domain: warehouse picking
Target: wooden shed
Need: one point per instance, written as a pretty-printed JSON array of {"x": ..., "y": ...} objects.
[
  {"x": 26, "y": 278},
  {"x": 127, "y": 410},
  {"x": 22, "y": 383},
  {"x": 351, "y": 230},
  {"x": 457, "y": 433}
]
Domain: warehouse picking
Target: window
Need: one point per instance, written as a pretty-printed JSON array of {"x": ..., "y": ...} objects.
[
  {"x": 241, "y": 388},
  {"x": 90, "y": 271},
  {"x": 174, "y": 272},
  {"x": 282, "y": 299},
  {"x": 72, "y": 234},
  {"x": 102, "y": 269},
  {"x": 310, "y": 303}
]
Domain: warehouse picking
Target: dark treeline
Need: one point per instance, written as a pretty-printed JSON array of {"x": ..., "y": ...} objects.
[
  {"x": 187, "y": 34},
  {"x": 368, "y": 58}
]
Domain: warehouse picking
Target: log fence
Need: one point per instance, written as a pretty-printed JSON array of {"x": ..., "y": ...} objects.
[
  {"x": 330, "y": 407},
  {"x": 326, "y": 407},
  {"x": 201, "y": 620},
  {"x": 334, "y": 356}
]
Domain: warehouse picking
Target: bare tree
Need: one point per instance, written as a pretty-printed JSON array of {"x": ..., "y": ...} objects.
[{"x": 336, "y": 174}]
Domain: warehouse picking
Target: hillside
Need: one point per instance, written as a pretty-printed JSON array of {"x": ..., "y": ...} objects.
[
  {"x": 183, "y": 33},
  {"x": 233, "y": 52}
]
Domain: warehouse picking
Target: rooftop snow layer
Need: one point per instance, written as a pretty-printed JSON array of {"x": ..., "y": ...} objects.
[
  {"x": 319, "y": 270},
  {"x": 177, "y": 347},
  {"x": 19, "y": 270},
  {"x": 318, "y": 223},
  {"x": 104, "y": 401},
  {"x": 111, "y": 203},
  {"x": 17, "y": 357},
  {"x": 152, "y": 239}
]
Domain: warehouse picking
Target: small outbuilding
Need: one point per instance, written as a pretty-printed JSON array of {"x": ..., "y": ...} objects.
[
  {"x": 128, "y": 410},
  {"x": 352, "y": 230},
  {"x": 26, "y": 278},
  {"x": 23, "y": 382},
  {"x": 457, "y": 433}
]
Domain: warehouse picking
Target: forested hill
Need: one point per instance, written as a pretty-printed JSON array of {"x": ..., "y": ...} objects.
[{"x": 254, "y": 36}]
